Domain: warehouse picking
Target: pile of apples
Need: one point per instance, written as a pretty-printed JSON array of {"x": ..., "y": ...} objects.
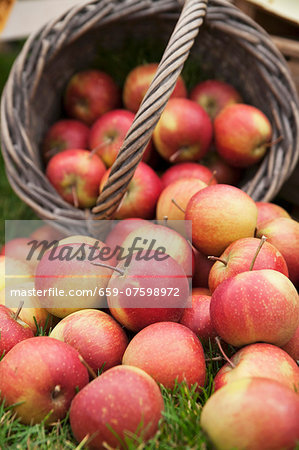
[
  {"x": 141, "y": 324},
  {"x": 209, "y": 124}
]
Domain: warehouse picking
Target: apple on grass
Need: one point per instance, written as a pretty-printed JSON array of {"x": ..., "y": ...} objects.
[
  {"x": 123, "y": 402},
  {"x": 63, "y": 135},
  {"x": 153, "y": 287},
  {"x": 138, "y": 81},
  {"x": 254, "y": 306},
  {"x": 183, "y": 132},
  {"x": 68, "y": 278},
  {"x": 76, "y": 176},
  {"x": 283, "y": 233},
  {"x": 173, "y": 201},
  {"x": 242, "y": 134},
  {"x": 14, "y": 271},
  {"x": 214, "y": 96},
  {"x": 89, "y": 94},
  {"x": 47, "y": 233},
  {"x": 188, "y": 170},
  {"x": 169, "y": 352},
  {"x": 269, "y": 211},
  {"x": 252, "y": 413},
  {"x": 108, "y": 132},
  {"x": 99, "y": 339},
  {"x": 198, "y": 318},
  {"x": 243, "y": 255},
  {"x": 39, "y": 378},
  {"x": 19, "y": 248},
  {"x": 259, "y": 360},
  {"x": 141, "y": 196},
  {"x": 12, "y": 330},
  {"x": 220, "y": 215}
]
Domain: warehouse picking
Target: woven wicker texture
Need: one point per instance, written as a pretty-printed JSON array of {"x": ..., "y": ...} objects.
[{"x": 229, "y": 45}]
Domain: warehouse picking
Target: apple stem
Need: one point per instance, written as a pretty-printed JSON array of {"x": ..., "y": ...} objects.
[
  {"x": 212, "y": 177},
  {"x": 51, "y": 152},
  {"x": 56, "y": 391},
  {"x": 217, "y": 339},
  {"x": 89, "y": 369},
  {"x": 19, "y": 309},
  {"x": 261, "y": 243},
  {"x": 75, "y": 196},
  {"x": 98, "y": 147},
  {"x": 269, "y": 144},
  {"x": 177, "y": 205},
  {"x": 165, "y": 219},
  {"x": 107, "y": 266},
  {"x": 215, "y": 358},
  {"x": 174, "y": 156},
  {"x": 215, "y": 258}
]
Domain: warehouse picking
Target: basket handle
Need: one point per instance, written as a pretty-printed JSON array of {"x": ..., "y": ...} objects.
[{"x": 154, "y": 102}]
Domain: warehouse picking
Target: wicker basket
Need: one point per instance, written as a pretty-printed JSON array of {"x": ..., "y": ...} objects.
[{"x": 229, "y": 43}]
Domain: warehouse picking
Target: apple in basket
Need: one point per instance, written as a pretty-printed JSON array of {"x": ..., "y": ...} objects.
[
  {"x": 63, "y": 135},
  {"x": 89, "y": 94},
  {"x": 138, "y": 81},
  {"x": 214, "y": 95},
  {"x": 242, "y": 134},
  {"x": 141, "y": 196},
  {"x": 76, "y": 176},
  {"x": 108, "y": 132},
  {"x": 188, "y": 170},
  {"x": 183, "y": 132},
  {"x": 224, "y": 173}
]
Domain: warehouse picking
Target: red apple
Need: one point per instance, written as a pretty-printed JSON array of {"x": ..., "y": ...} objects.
[
  {"x": 157, "y": 236},
  {"x": 169, "y": 352},
  {"x": 108, "y": 133},
  {"x": 13, "y": 272},
  {"x": 261, "y": 305},
  {"x": 76, "y": 175},
  {"x": 283, "y": 233},
  {"x": 220, "y": 215},
  {"x": 239, "y": 256},
  {"x": 269, "y": 211},
  {"x": 198, "y": 318},
  {"x": 31, "y": 313},
  {"x": 12, "y": 330},
  {"x": 98, "y": 338},
  {"x": 292, "y": 346},
  {"x": 138, "y": 82},
  {"x": 188, "y": 170},
  {"x": 89, "y": 94},
  {"x": 202, "y": 267},
  {"x": 259, "y": 360},
  {"x": 121, "y": 402},
  {"x": 173, "y": 201},
  {"x": 252, "y": 413},
  {"x": 141, "y": 196},
  {"x": 39, "y": 378},
  {"x": 122, "y": 229},
  {"x": 214, "y": 95},
  {"x": 224, "y": 173},
  {"x": 183, "y": 132},
  {"x": 63, "y": 135},
  {"x": 69, "y": 280},
  {"x": 48, "y": 233},
  {"x": 242, "y": 134},
  {"x": 147, "y": 291}
]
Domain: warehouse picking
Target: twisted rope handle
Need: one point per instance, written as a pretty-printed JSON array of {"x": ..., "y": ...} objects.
[{"x": 154, "y": 102}]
